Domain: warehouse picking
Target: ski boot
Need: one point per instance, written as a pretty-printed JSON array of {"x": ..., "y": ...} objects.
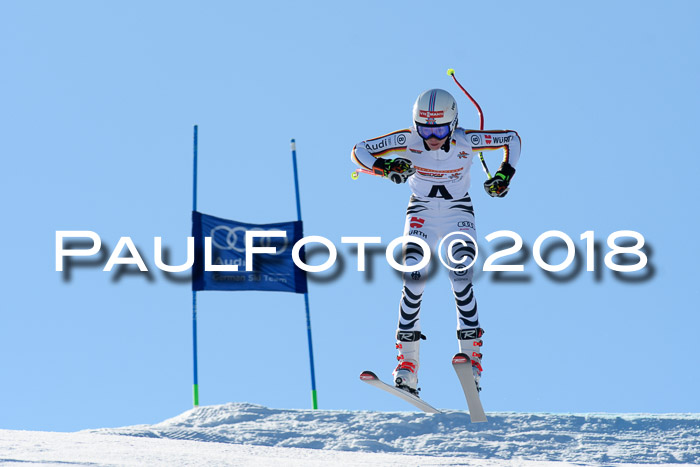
[
  {"x": 406, "y": 372},
  {"x": 470, "y": 344}
]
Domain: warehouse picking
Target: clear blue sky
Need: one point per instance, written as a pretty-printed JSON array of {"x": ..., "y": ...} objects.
[{"x": 98, "y": 102}]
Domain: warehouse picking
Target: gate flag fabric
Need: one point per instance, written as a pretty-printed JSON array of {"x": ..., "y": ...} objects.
[{"x": 272, "y": 272}]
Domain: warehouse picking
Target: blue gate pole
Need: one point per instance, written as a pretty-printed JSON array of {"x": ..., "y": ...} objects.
[
  {"x": 314, "y": 397},
  {"x": 194, "y": 292}
]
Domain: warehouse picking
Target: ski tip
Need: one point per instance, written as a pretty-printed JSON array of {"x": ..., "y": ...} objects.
[
  {"x": 367, "y": 376},
  {"x": 460, "y": 358}
]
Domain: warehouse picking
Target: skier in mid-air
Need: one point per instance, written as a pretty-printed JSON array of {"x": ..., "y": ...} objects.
[{"x": 435, "y": 157}]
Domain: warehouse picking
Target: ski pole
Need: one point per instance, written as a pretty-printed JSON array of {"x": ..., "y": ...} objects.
[
  {"x": 356, "y": 173},
  {"x": 451, "y": 72}
]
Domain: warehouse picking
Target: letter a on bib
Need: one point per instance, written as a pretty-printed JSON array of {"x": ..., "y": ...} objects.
[{"x": 439, "y": 191}]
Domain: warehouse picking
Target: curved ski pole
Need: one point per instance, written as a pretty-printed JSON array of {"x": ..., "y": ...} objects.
[{"x": 451, "y": 72}]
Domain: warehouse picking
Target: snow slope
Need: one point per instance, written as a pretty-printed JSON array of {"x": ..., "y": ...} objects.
[
  {"x": 25, "y": 448},
  {"x": 506, "y": 438}
]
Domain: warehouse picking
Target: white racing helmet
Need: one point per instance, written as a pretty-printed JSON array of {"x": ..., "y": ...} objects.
[{"x": 435, "y": 109}]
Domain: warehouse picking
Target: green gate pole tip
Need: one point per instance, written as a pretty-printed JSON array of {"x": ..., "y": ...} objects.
[
  {"x": 314, "y": 399},
  {"x": 196, "y": 395}
]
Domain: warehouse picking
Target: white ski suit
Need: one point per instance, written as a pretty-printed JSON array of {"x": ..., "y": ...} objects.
[{"x": 439, "y": 205}]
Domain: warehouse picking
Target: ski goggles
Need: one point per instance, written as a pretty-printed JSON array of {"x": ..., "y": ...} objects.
[{"x": 437, "y": 131}]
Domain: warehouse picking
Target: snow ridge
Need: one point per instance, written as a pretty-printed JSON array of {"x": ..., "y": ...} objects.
[{"x": 580, "y": 438}]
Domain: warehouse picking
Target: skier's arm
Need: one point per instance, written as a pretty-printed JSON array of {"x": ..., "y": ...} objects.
[
  {"x": 507, "y": 140},
  {"x": 367, "y": 153}
]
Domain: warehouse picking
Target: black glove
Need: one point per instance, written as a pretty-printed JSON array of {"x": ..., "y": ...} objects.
[
  {"x": 498, "y": 185},
  {"x": 397, "y": 170}
]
